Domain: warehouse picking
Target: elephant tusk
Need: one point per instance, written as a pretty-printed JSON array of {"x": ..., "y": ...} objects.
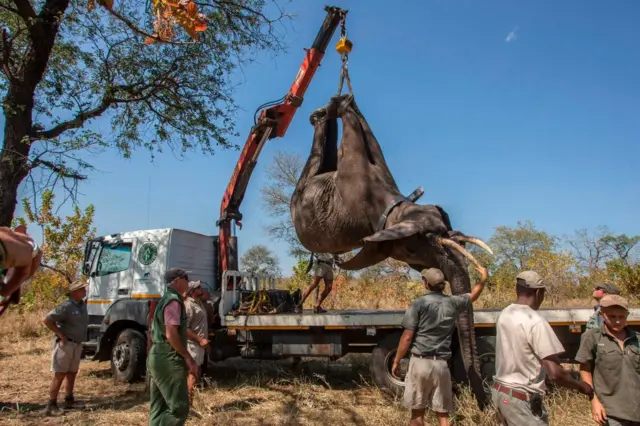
[
  {"x": 473, "y": 240},
  {"x": 458, "y": 247}
]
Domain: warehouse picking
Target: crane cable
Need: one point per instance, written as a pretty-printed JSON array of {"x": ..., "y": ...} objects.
[{"x": 343, "y": 47}]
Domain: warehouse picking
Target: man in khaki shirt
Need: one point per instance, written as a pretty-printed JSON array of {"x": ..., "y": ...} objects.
[
  {"x": 197, "y": 330},
  {"x": 526, "y": 349}
]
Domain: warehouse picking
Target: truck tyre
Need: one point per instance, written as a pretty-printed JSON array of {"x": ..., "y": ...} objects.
[
  {"x": 381, "y": 363},
  {"x": 128, "y": 356}
]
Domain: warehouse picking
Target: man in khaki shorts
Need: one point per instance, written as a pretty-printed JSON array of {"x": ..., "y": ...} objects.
[
  {"x": 323, "y": 271},
  {"x": 197, "y": 331},
  {"x": 429, "y": 324},
  {"x": 526, "y": 349},
  {"x": 69, "y": 322}
]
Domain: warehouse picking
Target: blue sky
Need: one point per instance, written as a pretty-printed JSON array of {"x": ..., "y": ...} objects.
[{"x": 502, "y": 111}]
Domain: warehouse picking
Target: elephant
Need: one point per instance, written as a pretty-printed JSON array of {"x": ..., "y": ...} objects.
[{"x": 346, "y": 198}]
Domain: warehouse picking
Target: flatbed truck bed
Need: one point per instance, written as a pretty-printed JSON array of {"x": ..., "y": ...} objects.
[{"x": 359, "y": 318}]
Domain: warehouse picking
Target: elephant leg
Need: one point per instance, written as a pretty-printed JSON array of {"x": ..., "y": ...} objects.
[
  {"x": 324, "y": 149},
  {"x": 359, "y": 145}
]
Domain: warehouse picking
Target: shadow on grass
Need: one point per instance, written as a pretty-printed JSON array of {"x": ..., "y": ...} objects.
[{"x": 338, "y": 375}]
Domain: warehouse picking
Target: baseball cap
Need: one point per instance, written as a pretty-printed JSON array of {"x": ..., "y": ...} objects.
[
  {"x": 175, "y": 273},
  {"x": 529, "y": 279},
  {"x": 614, "y": 300},
  {"x": 608, "y": 288},
  {"x": 432, "y": 275}
]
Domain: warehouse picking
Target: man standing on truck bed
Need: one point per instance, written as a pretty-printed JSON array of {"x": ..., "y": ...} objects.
[
  {"x": 323, "y": 271},
  {"x": 197, "y": 331},
  {"x": 526, "y": 348},
  {"x": 169, "y": 361},
  {"x": 609, "y": 358},
  {"x": 428, "y": 325},
  {"x": 599, "y": 292},
  {"x": 69, "y": 322}
]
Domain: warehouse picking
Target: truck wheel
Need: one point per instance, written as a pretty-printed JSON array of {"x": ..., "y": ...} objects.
[
  {"x": 381, "y": 363},
  {"x": 128, "y": 356}
]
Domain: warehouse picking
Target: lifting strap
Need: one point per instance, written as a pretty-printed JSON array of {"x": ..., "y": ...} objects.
[{"x": 413, "y": 197}]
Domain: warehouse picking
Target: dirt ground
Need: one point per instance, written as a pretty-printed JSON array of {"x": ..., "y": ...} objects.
[{"x": 243, "y": 393}]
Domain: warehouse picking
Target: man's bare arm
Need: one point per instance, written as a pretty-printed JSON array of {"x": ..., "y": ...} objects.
[
  {"x": 477, "y": 289},
  {"x": 53, "y": 327},
  {"x": 404, "y": 345},
  {"x": 561, "y": 376}
]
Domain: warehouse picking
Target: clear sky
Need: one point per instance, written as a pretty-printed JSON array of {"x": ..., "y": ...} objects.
[{"x": 501, "y": 110}]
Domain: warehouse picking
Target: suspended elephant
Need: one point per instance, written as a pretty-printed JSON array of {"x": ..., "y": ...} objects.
[{"x": 346, "y": 198}]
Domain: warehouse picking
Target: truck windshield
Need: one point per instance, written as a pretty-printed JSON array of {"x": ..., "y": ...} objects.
[{"x": 114, "y": 258}]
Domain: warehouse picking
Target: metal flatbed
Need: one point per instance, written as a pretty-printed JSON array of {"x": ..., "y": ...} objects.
[{"x": 354, "y": 318}]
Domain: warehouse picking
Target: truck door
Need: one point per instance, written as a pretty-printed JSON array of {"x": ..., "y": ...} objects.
[{"x": 111, "y": 274}]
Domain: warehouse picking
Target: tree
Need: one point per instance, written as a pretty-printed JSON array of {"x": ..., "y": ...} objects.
[
  {"x": 260, "y": 260},
  {"x": 64, "y": 64},
  {"x": 282, "y": 177},
  {"x": 62, "y": 247}
]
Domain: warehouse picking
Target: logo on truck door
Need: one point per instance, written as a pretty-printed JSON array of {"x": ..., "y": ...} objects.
[{"x": 147, "y": 253}]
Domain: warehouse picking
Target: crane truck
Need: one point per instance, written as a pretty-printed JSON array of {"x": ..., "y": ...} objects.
[{"x": 125, "y": 272}]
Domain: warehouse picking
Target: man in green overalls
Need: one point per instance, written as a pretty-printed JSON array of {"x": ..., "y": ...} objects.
[{"x": 169, "y": 361}]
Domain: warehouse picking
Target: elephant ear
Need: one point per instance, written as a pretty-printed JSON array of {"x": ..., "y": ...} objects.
[
  {"x": 404, "y": 229},
  {"x": 369, "y": 255}
]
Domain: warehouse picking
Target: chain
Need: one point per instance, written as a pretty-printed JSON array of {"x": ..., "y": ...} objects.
[{"x": 344, "y": 70}]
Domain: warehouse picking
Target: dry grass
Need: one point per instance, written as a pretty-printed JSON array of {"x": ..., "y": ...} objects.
[{"x": 242, "y": 392}]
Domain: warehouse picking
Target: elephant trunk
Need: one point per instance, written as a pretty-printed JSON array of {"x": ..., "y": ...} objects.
[{"x": 458, "y": 276}]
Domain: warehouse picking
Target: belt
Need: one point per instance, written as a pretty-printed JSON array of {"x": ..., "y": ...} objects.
[
  {"x": 325, "y": 262},
  {"x": 514, "y": 393},
  {"x": 428, "y": 356}
]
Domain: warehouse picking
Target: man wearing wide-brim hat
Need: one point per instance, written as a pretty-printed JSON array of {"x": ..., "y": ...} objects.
[{"x": 69, "y": 322}]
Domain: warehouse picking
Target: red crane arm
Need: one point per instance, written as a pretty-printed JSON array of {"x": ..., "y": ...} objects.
[{"x": 272, "y": 122}]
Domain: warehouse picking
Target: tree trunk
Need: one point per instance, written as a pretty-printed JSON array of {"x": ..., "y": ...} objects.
[
  {"x": 18, "y": 106},
  {"x": 18, "y": 102}
]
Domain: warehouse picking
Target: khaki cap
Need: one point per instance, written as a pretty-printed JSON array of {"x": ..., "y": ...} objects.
[
  {"x": 529, "y": 279},
  {"x": 614, "y": 300},
  {"x": 433, "y": 275},
  {"x": 77, "y": 285}
]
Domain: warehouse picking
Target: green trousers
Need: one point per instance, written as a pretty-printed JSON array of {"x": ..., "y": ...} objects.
[{"x": 168, "y": 387}]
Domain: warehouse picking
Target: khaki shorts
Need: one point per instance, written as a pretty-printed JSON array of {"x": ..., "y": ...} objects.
[
  {"x": 428, "y": 385},
  {"x": 196, "y": 352},
  {"x": 66, "y": 359},
  {"x": 324, "y": 271}
]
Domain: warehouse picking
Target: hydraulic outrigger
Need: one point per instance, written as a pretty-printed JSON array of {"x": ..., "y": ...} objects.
[{"x": 273, "y": 122}]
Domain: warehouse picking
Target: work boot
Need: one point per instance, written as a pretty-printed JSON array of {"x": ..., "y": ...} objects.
[
  {"x": 70, "y": 402},
  {"x": 53, "y": 409}
]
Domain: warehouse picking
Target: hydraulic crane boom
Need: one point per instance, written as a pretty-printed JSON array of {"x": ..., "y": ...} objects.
[{"x": 272, "y": 122}]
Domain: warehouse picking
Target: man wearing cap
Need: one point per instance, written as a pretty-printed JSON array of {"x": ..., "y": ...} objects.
[
  {"x": 599, "y": 292},
  {"x": 428, "y": 325},
  {"x": 197, "y": 330},
  {"x": 169, "y": 360},
  {"x": 69, "y": 322},
  {"x": 609, "y": 358},
  {"x": 526, "y": 349}
]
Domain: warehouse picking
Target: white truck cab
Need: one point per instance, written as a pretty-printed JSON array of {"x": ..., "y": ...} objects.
[{"x": 125, "y": 272}]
